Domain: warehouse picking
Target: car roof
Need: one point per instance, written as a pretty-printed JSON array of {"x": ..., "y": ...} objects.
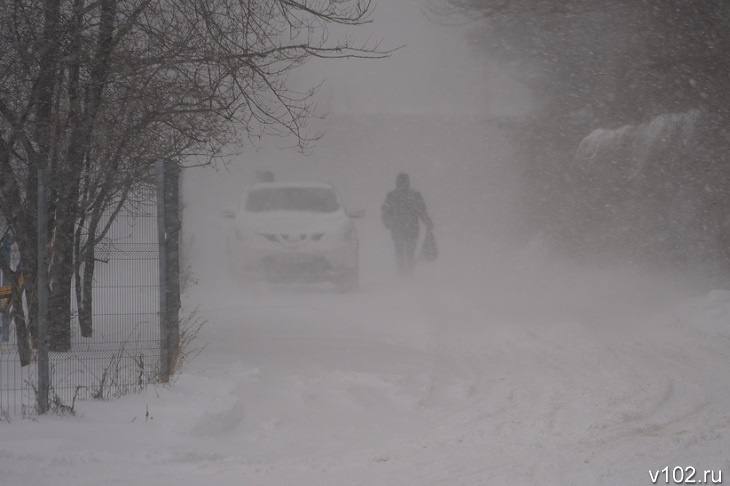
[{"x": 277, "y": 185}]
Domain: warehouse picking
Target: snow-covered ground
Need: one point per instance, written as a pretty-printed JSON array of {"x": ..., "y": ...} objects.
[{"x": 495, "y": 365}]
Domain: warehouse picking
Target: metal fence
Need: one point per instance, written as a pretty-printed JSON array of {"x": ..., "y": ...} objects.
[{"x": 123, "y": 354}]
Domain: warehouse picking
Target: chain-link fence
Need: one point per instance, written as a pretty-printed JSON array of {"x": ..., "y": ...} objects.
[{"x": 123, "y": 353}]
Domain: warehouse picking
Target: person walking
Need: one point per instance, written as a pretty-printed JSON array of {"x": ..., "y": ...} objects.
[{"x": 402, "y": 213}]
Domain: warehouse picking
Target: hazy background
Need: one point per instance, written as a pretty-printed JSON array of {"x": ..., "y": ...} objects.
[{"x": 432, "y": 109}]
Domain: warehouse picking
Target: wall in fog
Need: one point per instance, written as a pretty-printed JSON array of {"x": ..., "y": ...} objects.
[{"x": 463, "y": 173}]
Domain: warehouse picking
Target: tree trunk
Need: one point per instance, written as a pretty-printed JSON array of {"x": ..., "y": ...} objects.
[
  {"x": 26, "y": 331},
  {"x": 61, "y": 276},
  {"x": 22, "y": 335},
  {"x": 85, "y": 303}
]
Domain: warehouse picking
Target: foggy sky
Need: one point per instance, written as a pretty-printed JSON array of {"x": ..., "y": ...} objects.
[{"x": 436, "y": 71}]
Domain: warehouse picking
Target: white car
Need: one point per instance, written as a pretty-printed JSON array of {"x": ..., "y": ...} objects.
[{"x": 295, "y": 232}]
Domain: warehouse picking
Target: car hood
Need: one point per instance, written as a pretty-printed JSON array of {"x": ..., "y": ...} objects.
[{"x": 285, "y": 222}]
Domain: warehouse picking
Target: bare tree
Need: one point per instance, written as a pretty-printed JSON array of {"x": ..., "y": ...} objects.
[
  {"x": 99, "y": 90},
  {"x": 607, "y": 64}
]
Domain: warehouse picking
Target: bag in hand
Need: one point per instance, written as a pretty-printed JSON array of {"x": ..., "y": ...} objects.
[
  {"x": 429, "y": 248},
  {"x": 5, "y": 293}
]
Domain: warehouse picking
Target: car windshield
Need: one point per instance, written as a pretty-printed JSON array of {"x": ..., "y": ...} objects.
[{"x": 310, "y": 199}]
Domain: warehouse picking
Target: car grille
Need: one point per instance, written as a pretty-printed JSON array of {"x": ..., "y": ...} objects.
[{"x": 305, "y": 267}]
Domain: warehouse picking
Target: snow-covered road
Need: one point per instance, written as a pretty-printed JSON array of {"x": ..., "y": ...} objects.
[{"x": 415, "y": 383}]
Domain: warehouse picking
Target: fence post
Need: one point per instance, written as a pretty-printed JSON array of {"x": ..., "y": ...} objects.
[
  {"x": 42, "y": 288},
  {"x": 173, "y": 225},
  {"x": 168, "y": 232},
  {"x": 162, "y": 269}
]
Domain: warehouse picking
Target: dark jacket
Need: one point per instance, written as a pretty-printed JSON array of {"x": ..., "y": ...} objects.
[{"x": 402, "y": 210}]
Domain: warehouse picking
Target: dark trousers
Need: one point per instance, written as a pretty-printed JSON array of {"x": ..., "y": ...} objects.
[
  {"x": 4, "y": 327},
  {"x": 405, "y": 252},
  {"x": 4, "y": 314}
]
